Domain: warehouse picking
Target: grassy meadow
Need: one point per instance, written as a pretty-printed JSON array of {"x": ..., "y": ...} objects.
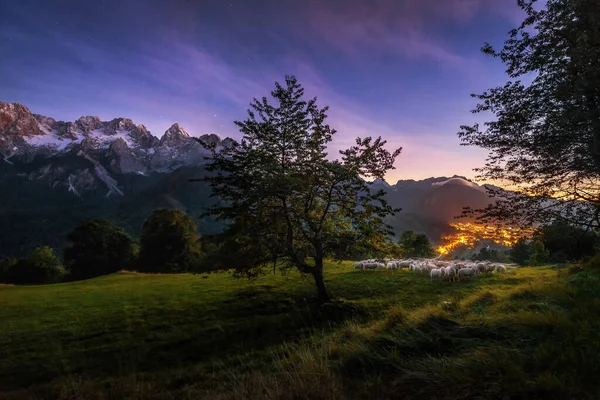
[{"x": 530, "y": 333}]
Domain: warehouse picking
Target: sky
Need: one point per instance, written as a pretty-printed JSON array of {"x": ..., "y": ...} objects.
[{"x": 400, "y": 69}]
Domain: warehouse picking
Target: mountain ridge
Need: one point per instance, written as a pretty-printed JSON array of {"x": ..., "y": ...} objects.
[
  {"x": 53, "y": 174},
  {"x": 25, "y": 136}
]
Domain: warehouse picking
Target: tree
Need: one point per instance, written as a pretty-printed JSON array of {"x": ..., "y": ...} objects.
[
  {"x": 545, "y": 140},
  {"x": 539, "y": 254},
  {"x": 97, "y": 247},
  {"x": 406, "y": 243},
  {"x": 169, "y": 242},
  {"x": 284, "y": 200},
  {"x": 40, "y": 266},
  {"x": 520, "y": 252},
  {"x": 415, "y": 245},
  {"x": 566, "y": 242},
  {"x": 43, "y": 265},
  {"x": 422, "y": 246}
]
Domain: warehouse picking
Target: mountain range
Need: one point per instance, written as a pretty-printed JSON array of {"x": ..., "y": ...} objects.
[{"x": 53, "y": 174}]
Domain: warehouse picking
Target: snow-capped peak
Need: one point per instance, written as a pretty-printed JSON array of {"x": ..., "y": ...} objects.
[{"x": 127, "y": 147}]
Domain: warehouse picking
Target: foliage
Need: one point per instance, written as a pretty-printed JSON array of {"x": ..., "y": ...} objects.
[
  {"x": 539, "y": 254},
  {"x": 521, "y": 251},
  {"x": 284, "y": 200},
  {"x": 169, "y": 242},
  {"x": 562, "y": 242},
  {"x": 545, "y": 140},
  {"x": 415, "y": 245},
  {"x": 568, "y": 243},
  {"x": 212, "y": 337},
  {"x": 490, "y": 254},
  {"x": 40, "y": 266},
  {"x": 97, "y": 247}
]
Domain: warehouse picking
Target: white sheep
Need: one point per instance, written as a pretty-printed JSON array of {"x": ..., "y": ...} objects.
[
  {"x": 435, "y": 273},
  {"x": 466, "y": 272},
  {"x": 451, "y": 273},
  {"x": 500, "y": 268}
]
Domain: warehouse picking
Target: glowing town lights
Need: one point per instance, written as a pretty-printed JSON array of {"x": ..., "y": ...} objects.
[{"x": 468, "y": 234}]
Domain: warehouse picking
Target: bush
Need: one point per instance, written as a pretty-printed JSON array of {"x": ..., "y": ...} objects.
[
  {"x": 169, "y": 243},
  {"x": 96, "y": 248},
  {"x": 575, "y": 269}
]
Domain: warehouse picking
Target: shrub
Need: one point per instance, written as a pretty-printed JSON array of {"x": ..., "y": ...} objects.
[
  {"x": 575, "y": 269},
  {"x": 593, "y": 263}
]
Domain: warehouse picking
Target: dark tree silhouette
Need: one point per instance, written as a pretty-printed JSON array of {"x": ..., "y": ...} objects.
[
  {"x": 545, "y": 140},
  {"x": 97, "y": 247},
  {"x": 169, "y": 242},
  {"x": 284, "y": 200},
  {"x": 415, "y": 245}
]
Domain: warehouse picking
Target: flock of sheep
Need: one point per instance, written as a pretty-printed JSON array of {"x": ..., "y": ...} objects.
[{"x": 437, "y": 269}]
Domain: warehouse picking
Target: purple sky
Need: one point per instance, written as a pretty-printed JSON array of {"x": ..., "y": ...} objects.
[{"x": 402, "y": 69}]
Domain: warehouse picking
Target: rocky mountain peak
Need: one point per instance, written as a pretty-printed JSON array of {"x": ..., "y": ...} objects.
[
  {"x": 17, "y": 120},
  {"x": 178, "y": 129},
  {"x": 227, "y": 142},
  {"x": 175, "y": 134},
  {"x": 380, "y": 182},
  {"x": 119, "y": 124},
  {"x": 88, "y": 123},
  {"x": 142, "y": 129},
  {"x": 210, "y": 138},
  {"x": 120, "y": 145}
]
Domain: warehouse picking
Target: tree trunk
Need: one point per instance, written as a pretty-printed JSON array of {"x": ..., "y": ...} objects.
[{"x": 322, "y": 296}]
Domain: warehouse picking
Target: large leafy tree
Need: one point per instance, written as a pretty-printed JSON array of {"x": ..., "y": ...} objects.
[
  {"x": 97, "y": 247},
  {"x": 169, "y": 242},
  {"x": 545, "y": 139},
  {"x": 284, "y": 201}
]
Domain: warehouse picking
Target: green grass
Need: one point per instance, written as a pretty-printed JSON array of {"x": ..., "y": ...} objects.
[{"x": 531, "y": 333}]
